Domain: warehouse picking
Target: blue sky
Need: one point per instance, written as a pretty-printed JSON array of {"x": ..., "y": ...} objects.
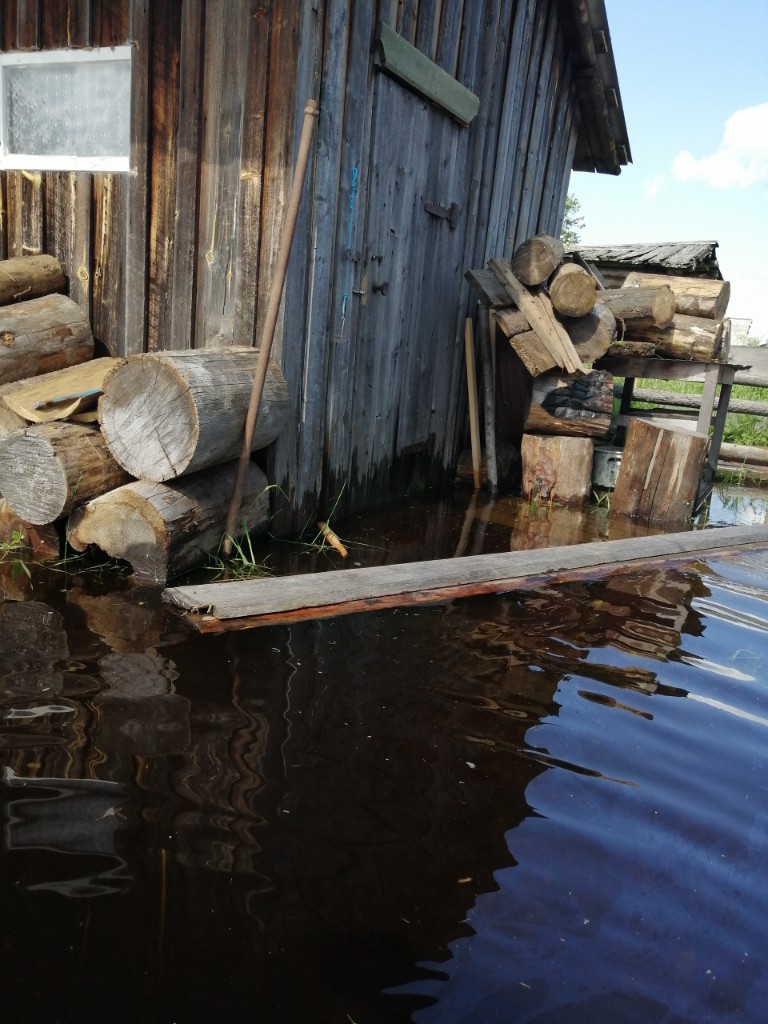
[{"x": 694, "y": 83}]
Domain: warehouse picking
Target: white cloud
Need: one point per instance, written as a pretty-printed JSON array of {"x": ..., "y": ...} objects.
[{"x": 740, "y": 161}]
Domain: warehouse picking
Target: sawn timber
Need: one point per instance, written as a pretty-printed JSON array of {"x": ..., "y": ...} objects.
[{"x": 219, "y": 607}]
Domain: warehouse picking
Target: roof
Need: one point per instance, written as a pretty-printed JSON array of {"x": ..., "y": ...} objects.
[
  {"x": 693, "y": 258},
  {"x": 603, "y": 143}
]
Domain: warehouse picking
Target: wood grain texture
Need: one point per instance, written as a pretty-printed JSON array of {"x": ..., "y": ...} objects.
[
  {"x": 28, "y": 277},
  {"x": 694, "y": 296},
  {"x": 59, "y": 394},
  {"x": 341, "y": 592},
  {"x": 40, "y": 335},
  {"x": 165, "y": 529},
  {"x": 171, "y": 413},
  {"x": 48, "y": 469},
  {"x": 556, "y": 469}
]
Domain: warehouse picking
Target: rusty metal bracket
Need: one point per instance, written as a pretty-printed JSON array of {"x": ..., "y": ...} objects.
[{"x": 449, "y": 213}]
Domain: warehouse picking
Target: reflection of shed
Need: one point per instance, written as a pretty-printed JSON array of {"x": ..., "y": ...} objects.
[{"x": 407, "y": 190}]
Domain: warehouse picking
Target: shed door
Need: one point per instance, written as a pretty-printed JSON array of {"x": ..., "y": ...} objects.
[{"x": 411, "y": 279}]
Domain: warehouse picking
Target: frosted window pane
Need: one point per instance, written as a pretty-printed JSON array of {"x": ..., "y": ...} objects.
[{"x": 80, "y": 109}]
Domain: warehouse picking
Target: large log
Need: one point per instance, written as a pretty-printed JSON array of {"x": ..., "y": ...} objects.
[
  {"x": 165, "y": 529},
  {"x": 694, "y": 296},
  {"x": 27, "y": 277},
  {"x": 178, "y": 412},
  {"x": 574, "y": 406},
  {"x": 556, "y": 469},
  {"x": 660, "y": 473},
  {"x": 573, "y": 290},
  {"x": 592, "y": 334},
  {"x": 744, "y": 454},
  {"x": 534, "y": 261},
  {"x": 48, "y": 469},
  {"x": 638, "y": 308},
  {"x": 689, "y": 337},
  {"x": 41, "y": 335}
]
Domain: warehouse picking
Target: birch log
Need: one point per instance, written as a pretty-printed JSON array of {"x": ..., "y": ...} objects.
[
  {"x": 165, "y": 529},
  {"x": 48, "y": 469},
  {"x": 694, "y": 296},
  {"x": 41, "y": 335},
  {"x": 171, "y": 413},
  {"x": 27, "y": 277}
]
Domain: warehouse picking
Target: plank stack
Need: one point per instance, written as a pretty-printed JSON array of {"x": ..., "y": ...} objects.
[
  {"x": 134, "y": 456},
  {"x": 559, "y": 319}
]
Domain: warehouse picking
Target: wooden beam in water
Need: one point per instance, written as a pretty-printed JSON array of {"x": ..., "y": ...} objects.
[{"x": 245, "y": 604}]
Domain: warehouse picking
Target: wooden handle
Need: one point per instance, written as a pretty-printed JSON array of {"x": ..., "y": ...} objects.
[{"x": 474, "y": 420}]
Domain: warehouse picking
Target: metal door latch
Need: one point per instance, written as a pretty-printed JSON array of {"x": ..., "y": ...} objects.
[{"x": 449, "y": 213}]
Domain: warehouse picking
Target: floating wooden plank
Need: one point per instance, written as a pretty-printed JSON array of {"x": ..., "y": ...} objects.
[
  {"x": 60, "y": 394},
  {"x": 217, "y": 607},
  {"x": 411, "y": 66}
]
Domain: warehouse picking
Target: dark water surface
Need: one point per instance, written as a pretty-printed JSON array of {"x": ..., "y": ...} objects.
[{"x": 547, "y": 807}]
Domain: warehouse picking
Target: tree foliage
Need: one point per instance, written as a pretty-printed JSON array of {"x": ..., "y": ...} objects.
[{"x": 573, "y": 222}]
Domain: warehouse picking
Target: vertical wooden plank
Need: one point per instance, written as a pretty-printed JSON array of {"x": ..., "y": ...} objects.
[
  {"x": 184, "y": 252},
  {"x": 108, "y": 284},
  {"x": 279, "y": 140},
  {"x": 3, "y": 218},
  {"x": 251, "y": 176},
  {"x": 110, "y": 26},
  {"x": 65, "y": 23},
  {"x": 224, "y": 88},
  {"x": 350, "y": 272},
  {"x": 546, "y": 89},
  {"x": 428, "y": 27},
  {"x": 68, "y": 230},
  {"x": 137, "y": 184},
  {"x": 164, "y": 106},
  {"x": 449, "y": 35},
  {"x": 557, "y": 171},
  {"x": 25, "y": 213},
  {"x": 517, "y": 70},
  {"x": 110, "y": 22},
  {"x": 27, "y": 25},
  {"x": 407, "y": 19},
  {"x": 324, "y": 189}
]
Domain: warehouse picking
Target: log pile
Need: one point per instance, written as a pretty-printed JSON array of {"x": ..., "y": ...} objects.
[
  {"x": 131, "y": 455},
  {"x": 558, "y": 319}
]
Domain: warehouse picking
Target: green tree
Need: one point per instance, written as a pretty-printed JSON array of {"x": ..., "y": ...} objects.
[{"x": 573, "y": 222}]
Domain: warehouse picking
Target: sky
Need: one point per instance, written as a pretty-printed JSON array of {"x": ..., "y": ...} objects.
[{"x": 693, "y": 76}]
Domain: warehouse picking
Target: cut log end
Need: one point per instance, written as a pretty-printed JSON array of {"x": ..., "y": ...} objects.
[
  {"x": 149, "y": 418},
  {"x": 26, "y": 457}
]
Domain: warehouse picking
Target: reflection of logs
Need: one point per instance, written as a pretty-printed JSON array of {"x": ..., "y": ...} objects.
[
  {"x": 33, "y": 641},
  {"x": 126, "y": 620}
]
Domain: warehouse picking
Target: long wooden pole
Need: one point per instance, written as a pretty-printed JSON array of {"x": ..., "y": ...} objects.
[
  {"x": 311, "y": 112},
  {"x": 474, "y": 419}
]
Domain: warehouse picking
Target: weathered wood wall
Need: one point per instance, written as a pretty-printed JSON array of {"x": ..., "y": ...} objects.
[{"x": 181, "y": 253}]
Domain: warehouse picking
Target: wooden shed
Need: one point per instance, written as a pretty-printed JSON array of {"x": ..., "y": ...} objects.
[{"x": 447, "y": 133}]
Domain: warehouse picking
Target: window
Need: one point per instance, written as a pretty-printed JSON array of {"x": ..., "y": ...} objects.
[{"x": 66, "y": 110}]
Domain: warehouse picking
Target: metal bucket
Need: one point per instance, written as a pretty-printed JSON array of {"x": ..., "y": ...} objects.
[{"x": 605, "y": 465}]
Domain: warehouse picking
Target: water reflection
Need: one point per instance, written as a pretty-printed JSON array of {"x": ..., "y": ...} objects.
[{"x": 504, "y": 809}]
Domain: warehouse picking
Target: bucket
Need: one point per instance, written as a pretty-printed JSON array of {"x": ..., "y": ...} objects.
[{"x": 605, "y": 465}]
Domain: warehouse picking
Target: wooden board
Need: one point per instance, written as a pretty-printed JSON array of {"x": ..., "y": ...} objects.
[
  {"x": 216, "y": 607},
  {"x": 60, "y": 394},
  {"x": 405, "y": 62}
]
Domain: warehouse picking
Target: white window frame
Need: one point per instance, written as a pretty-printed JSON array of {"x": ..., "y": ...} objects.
[{"x": 59, "y": 161}]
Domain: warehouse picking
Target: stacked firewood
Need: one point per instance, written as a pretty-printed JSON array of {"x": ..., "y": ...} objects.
[
  {"x": 134, "y": 456},
  {"x": 559, "y": 319}
]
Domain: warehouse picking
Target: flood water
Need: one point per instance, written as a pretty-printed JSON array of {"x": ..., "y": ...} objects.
[{"x": 547, "y": 806}]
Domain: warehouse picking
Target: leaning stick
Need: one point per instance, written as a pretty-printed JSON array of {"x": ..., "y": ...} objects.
[
  {"x": 474, "y": 419},
  {"x": 311, "y": 112}
]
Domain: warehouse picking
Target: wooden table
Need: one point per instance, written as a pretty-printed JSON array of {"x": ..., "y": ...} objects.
[{"x": 713, "y": 376}]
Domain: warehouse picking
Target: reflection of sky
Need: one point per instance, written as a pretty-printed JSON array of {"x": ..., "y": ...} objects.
[{"x": 738, "y": 506}]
